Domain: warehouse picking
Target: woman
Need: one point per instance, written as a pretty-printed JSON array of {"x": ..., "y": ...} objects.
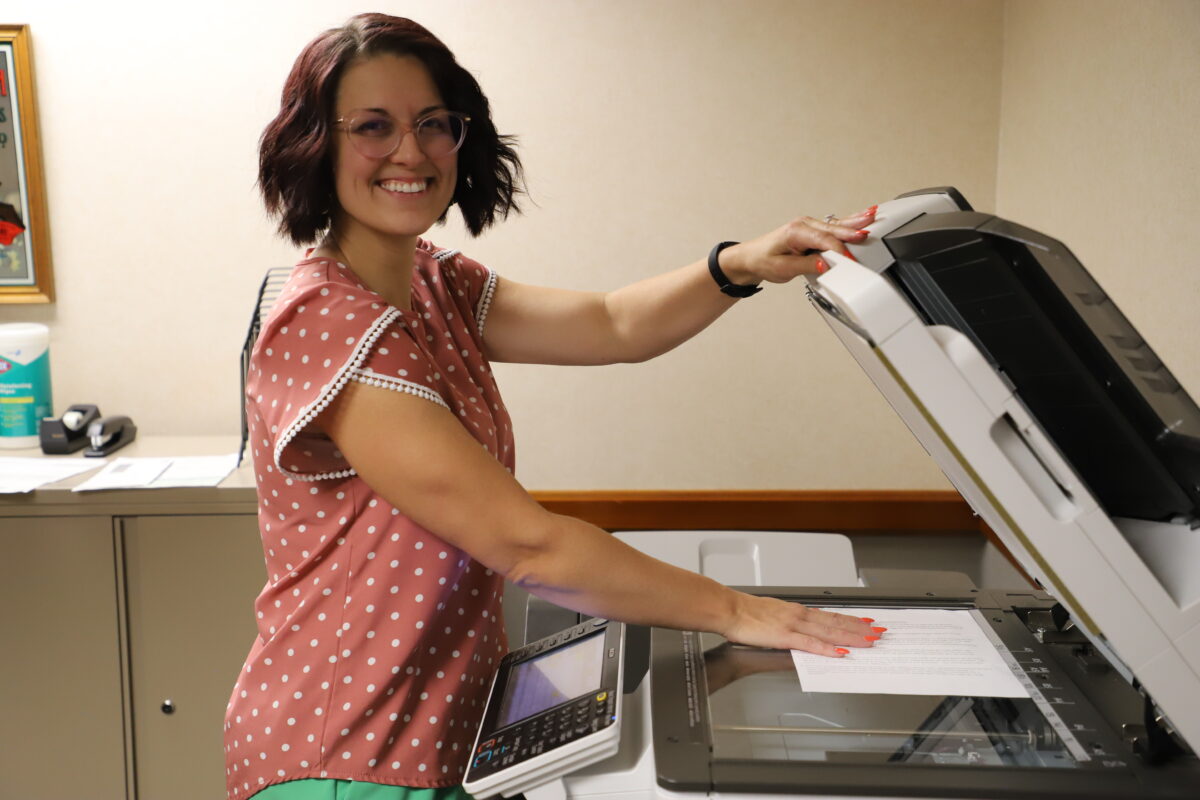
[{"x": 382, "y": 449}]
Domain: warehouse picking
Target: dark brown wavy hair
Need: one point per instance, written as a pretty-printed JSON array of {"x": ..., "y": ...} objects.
[{"x": 295, "y": 168}]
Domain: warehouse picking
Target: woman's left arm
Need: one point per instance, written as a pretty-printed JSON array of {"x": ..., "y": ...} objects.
[{"x": 539, "y": 325}]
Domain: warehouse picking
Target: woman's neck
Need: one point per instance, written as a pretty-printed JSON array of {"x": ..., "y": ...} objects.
[{"x": 383, "y": 263}]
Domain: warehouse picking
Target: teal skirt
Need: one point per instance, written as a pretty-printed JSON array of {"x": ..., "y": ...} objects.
[{"x": 330, "y": 789}]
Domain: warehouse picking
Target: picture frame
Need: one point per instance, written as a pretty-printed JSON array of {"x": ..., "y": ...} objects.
[{"x": 26, "y": 275}]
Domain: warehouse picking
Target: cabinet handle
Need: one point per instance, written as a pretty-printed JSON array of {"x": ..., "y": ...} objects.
[{"x": 168, "y": 706}]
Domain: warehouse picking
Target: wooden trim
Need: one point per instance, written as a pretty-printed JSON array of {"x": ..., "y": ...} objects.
[
  {"x": 818, "y": 510},
  {"x": 835, "y": 511}
]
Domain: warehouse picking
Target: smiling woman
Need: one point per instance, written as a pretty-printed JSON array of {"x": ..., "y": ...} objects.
[
  {"x": 294, "y": 168},
  {"x": 384, "y": 454},
  {"x": 388, "y": 182}
]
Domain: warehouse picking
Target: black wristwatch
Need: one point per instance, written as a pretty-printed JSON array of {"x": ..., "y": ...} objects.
[{"x": 727, "y": 286}]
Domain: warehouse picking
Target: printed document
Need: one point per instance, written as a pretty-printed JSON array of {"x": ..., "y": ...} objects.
[
  {"x": 24, "y": 474},
  {"x": 161, "y": 473},
  {"x": 925, "y": 651}
]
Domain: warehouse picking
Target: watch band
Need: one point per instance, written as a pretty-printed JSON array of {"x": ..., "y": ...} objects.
[{"x": 727, "y": 286}]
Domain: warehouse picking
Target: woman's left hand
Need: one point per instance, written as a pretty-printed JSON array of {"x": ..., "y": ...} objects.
[{"x": 793, "y": 249}]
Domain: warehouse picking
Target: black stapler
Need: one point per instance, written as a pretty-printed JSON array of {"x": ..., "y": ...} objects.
[
  {"x": 110, "y": 434},
  {"x": 69, "y": 432}
]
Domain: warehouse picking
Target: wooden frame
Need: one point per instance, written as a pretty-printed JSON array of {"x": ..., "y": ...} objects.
[{"x": 25, "y": 269}]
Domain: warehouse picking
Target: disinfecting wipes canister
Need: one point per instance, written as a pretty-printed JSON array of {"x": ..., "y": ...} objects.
[{"x": 24, "y": 382}]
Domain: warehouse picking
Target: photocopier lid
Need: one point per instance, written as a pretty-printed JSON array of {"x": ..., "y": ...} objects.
[
  {"x": 1095, "y": 386},
  {"x": 1048, "y": 412}
]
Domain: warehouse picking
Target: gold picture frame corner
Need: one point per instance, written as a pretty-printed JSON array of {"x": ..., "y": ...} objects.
[{"x": 23, "y": 217}]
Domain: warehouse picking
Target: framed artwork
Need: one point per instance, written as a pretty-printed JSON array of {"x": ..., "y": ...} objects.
[{"x": 25, "y": 273}]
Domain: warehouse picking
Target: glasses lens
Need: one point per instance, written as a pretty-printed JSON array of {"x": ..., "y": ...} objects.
[
  {"x": 377, "y": 135},
  {"x": 372, "y": 134},
  {"x": 440, "y": 134}
]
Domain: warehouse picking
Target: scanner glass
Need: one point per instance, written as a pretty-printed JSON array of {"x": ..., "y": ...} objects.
[{"x": 765, "y": 715}]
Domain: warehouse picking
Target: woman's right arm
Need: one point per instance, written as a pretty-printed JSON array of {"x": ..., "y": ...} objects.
[{"x": 419, "y": 458}]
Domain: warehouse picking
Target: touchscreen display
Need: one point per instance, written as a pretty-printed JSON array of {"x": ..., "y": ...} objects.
[{"x": 556, "y": 677}]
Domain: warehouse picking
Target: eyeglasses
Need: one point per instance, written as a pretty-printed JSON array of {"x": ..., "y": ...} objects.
[{"x": 375, "y": 134}]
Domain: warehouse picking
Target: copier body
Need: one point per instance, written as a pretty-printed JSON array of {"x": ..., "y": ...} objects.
[{"x": 1066, "y": 434}]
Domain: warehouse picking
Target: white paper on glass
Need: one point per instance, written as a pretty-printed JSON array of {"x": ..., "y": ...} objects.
[{"x": 925, "y": 651}]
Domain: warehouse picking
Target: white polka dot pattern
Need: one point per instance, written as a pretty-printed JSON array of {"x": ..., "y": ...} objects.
[{"x": 377, "y": 640}]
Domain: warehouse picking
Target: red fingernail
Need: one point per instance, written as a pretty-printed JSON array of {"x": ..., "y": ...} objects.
[
  {"x": 846, "y": 252},
  {"x": 822, "y": 267},
  {"x": 863, "y": 233},
  {"x": 872, "y": 209},
  {"x": 841, "y": 651},
  {"x": 872, "y": 638},
  {"x": 866, "y": 619},
  {"x": 879, "y": 630}
]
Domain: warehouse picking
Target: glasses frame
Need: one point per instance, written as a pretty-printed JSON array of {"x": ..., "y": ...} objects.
[{"x": 343, "y": 124}]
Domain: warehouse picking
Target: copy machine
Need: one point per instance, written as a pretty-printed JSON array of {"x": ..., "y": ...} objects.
[{"x": 1067, "y": 435}]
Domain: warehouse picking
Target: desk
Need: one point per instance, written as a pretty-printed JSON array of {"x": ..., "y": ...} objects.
[{"x": 114, "y": 603}]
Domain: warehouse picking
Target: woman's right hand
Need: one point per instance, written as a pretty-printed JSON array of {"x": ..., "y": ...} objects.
[{"x": 778, "y": 624}]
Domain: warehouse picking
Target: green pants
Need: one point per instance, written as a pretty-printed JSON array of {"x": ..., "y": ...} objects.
[{"x": 329, "y": 789}]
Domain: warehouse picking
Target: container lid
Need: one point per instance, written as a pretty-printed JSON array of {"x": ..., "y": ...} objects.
[{"x": 22, "y": 331}]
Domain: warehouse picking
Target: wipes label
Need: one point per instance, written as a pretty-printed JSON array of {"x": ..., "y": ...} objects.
[{"x": 24, "y": 395}]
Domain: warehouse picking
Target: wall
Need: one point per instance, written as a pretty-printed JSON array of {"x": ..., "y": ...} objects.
[
  {"x": 760, "y": 110},
  {"x": 1100, "y": 146}
]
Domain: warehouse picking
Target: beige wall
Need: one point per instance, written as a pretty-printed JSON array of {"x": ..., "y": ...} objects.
[
  {"x": 1100, "y": 147},
  {"x": 766, "y": 108}
]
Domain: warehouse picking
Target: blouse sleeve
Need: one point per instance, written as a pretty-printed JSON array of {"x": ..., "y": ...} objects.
[
  {"x": 318, "y": 339},
  {"x": 471, "y": 284}
]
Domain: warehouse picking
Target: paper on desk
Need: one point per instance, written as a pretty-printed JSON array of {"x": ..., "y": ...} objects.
[
  {"x": 161, "y": 473},
  {"x": 925, "y": 651},
  {"x": 24, "y": 474}
]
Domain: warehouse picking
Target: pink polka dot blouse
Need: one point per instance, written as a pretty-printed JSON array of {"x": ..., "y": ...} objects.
[{"x": 376, "y": 639}]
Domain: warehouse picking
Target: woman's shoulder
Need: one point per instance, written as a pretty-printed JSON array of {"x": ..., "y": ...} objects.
[
  {"x": 464, "y": 282},
  {"x": 314, "y": 268},
  {"x": 433, "y": 258},
  {"x": 435, "y": 250},
  {"x": 322, "y": 296},
  {"x": 323, "y": 279},
  {"x": 449, "y": 260}
]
